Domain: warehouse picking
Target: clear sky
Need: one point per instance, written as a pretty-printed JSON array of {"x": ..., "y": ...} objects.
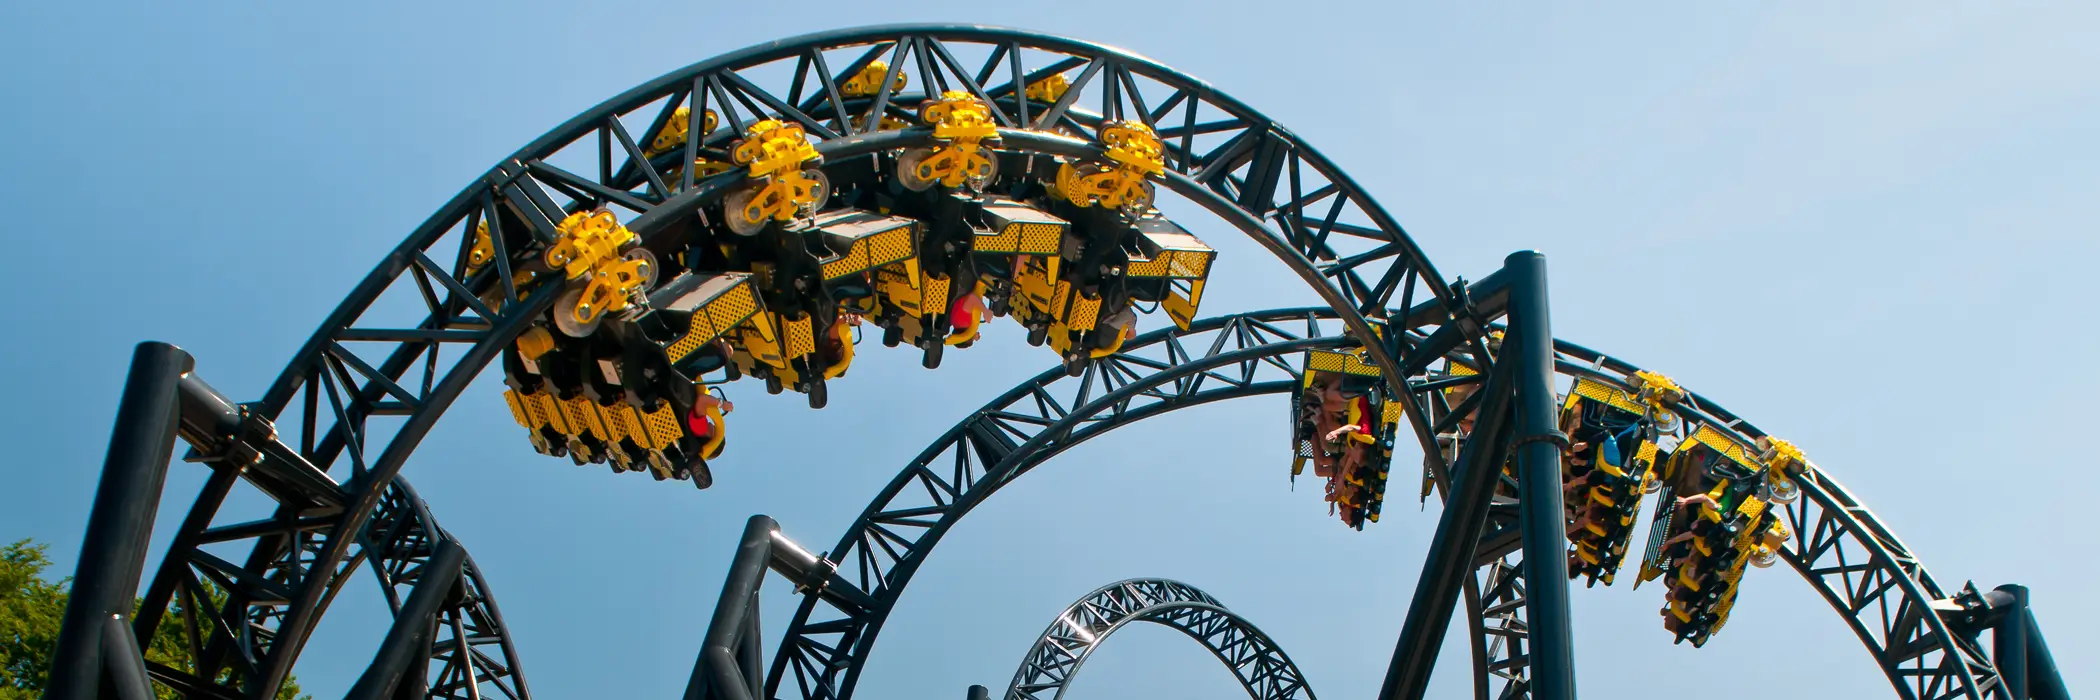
[{"x": 1869, "y": 227}]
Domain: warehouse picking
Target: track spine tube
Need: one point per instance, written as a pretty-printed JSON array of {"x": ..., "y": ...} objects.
[
  {"x": 1541, "y": 516},
  {"x": 1450, "y": 559},
  {"x": 408, "y": 641},
  {"x": 113, "y": 553}
]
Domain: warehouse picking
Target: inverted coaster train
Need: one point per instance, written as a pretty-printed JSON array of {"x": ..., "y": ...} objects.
[{"x": 925, "y": 179}]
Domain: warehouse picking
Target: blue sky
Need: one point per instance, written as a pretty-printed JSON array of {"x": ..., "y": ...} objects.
[{"x": 1889, "y": 206}]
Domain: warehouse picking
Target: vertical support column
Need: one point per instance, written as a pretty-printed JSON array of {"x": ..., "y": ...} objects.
[
  {"x": 2042, "y": 677},
  {"x": 114, "y": 551},
  {"x": 2009, "y": 644},
  {"x": 1450, "y": 559},
  {"x": 127, "y": 664},
  {"x": 716, "y": 674},
  {"x": 978, "y": 692},
  {"x": 408, "y": 641},
  {"x": 1529, "y": 349}
]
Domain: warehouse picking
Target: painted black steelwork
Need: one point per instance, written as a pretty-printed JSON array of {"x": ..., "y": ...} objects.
[
  {"x": 408, "y": 641},
  {"x": 356, "y": 369},
  {"x": 1261, "y": 667},
  {"x": 2044, "y": 681},
  {"x": 364, "y": 389},
  {"x": 1838, "y": 549},
  {"x": 732, "y": 656},
  {"x": 1157, "y": 372},
  {"x": 469, "y": 654},
  {"x": 2009, "y": 643},
  {"x": 1449, "y": 563},
  {"x": 124, "y": 661},
  {"x": 1539, "y": 447},
  {"x": 126, "y": 499}
]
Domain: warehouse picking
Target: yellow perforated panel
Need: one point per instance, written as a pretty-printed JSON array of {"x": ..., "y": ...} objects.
[
  {"x": 1610, "y": 395},
  {"x": 582, "y": 415},
  {"x": 1751, "y": 508},
  {"x": 517, "y": 409},
  {"x": 1085, "y": 310},
  {"x": 549, "y": 410},
  {"x": 631, "y": 424},
  {"x": 1342, "y": 362},
  {"x": 1392, "y": 413},
  {"x": 1192, "y": 264},
  {"x": 890, "y": 246},
  {"x": 662, "y": 427},
  {"x": 1727, "y": 446},
  {"x": 609, "y": 418},
  {"x": 714, "y": 318},
  {"x": 853, "y": 262},
  {"x": 1005, "y": 241},
  {"x": 800, "y": 341},
  {"x": 1060, "y": 300},
  {"x": 1156, "y": 267},
  {"x": 936, "y": 299},
  {"x": 1323, "y": 361},
  {"x": 1038, "y": 239}
]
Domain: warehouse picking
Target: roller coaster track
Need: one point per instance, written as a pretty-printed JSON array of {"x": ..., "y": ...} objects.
[
  {"x": 1867, "y": 575},
  {"x": 1260, "y": 666},
  {"x": 370, "y": 383}
]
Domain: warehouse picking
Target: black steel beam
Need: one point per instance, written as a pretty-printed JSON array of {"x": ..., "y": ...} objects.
[
  {"x": 2042, "y": 677},
  {"x": 1529, "y": 350},
  {"x": 2009, "y": 644},
  {"x": 717, "y": 674},
  {"x": 114, "y": 550},
  {"x": 126, "y": 663},
  {"x": 409, "y": 639},
  {"x": 1450, "y": 559}
]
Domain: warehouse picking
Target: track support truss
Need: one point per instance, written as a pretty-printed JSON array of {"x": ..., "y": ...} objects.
[{"x": 1517, "y": 415}]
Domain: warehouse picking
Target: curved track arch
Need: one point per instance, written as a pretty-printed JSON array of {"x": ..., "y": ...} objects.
[
  {"x": 471, "y": 654},
  {"x": 1261, "y": 666},
  {"x": 1838, "y": 547},
  {"x": 369, "y": 383}
]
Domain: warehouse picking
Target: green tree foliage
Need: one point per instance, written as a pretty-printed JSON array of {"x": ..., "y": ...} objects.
[{"x": 30, "y": 611}]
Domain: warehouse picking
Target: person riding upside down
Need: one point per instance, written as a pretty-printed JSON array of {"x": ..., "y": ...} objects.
[
  {"x": 1115, "y": 330},
  {"x": 966, "y": 317},
  {"x": 1354, "y": 436},
  {"x": 835, "y": 348},
  {"x": 707, "y": 422}
]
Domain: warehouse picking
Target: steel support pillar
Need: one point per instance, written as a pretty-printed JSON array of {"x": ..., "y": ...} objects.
[
  {"x": 1450, "y": 558},
  {"x": 2009, "y": 644},
  {"x": 1528, "y": 348},
  {"x": 2026, "y": 671},
  {"x": 2042, "y": 676},
  {"x": 126, "y": 663},
  {"x": 395, "y": 671},
  {"x": 732, "y": 642},
  {"x": 113, "y": 553},
  {"x": 978, "y": 692}
]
